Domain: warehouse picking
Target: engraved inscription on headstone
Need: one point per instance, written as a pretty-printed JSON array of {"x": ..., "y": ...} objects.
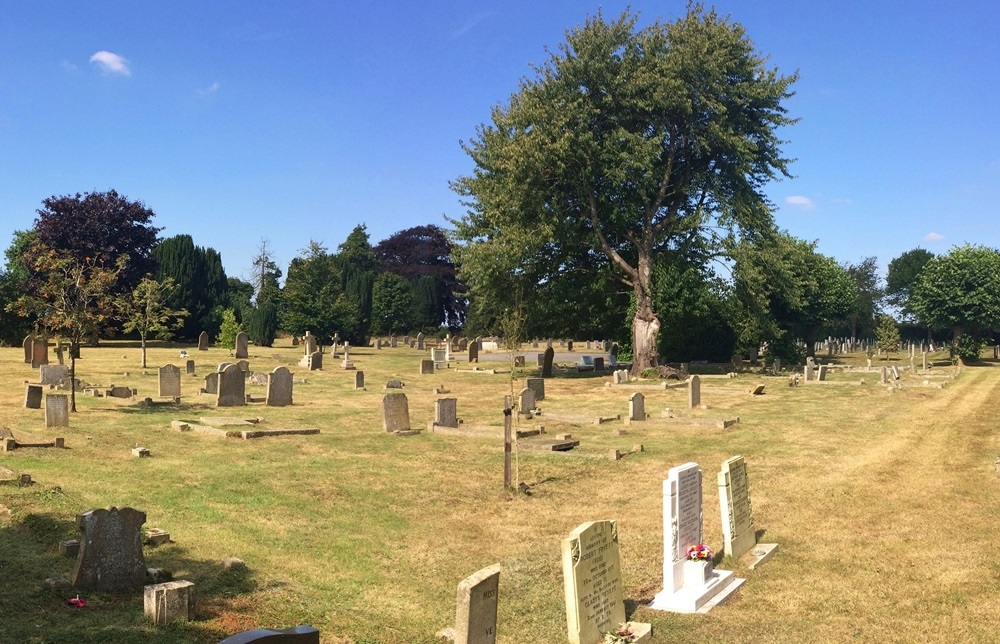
[
  {"x": 734, "y": 503},
  {"x": 592, "y": 582}
]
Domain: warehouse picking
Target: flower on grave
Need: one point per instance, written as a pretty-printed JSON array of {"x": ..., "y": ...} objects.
[
  {"x": 621, "y": 635},
  {"x": 700, "y": 552}
]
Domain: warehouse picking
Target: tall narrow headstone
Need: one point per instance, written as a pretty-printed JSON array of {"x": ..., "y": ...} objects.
[
  {"x": 359, "y": 379},
  {"x": 203, "y": 341},
  {"x": 734, "y": 503},
  {"x": 110, "y": 557},
  {"x": 476, "y": 607},
  {"x": 547, "y": 363},
  {"x": 279, "y": 388},
  {"x": 592, "y": 581},
  {"x": 694, "y": 392},
  {"x": 636, "y": 407},
  {"x": 808, "y": 372},
  {"x": 420, "y": 342},
  {"x": 57, "y": 410},
  {"x": 232, "y": 388},
  {"x": 29, "y": 348},
  {"x": 169, "y": 381},
  {"x": 473, "y": 352},
  {"x": 39, "y": 352},
  {"x": 241, "y": 345},
  {"x": 189, "y": 367},
  {"x": 395, "y": 413}
]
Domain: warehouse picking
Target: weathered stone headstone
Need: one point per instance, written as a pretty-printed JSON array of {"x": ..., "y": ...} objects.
[
  {"x": 29, "y": 348},
  {"x": 636, "y": 407},
  {"x": 426, "y": 367},
  {"x": 308, "y": 344},
  {"x": 359, "y": 379},
  {"x": 293, "y": 635},
  {"x": 446, "y": 412},
  {"x": 694, "y": 392},
  {"x": 169, "y": 381},
  {"x": 244, "y": 366},
  {"x": 169, "y": 602},
  {"x": 241, "y": 345},
  {"x": 392, "y": 342},
  {"x": 39, "y": 352},
  {"x": 232, "y": 388},
  {"x": 808, "y": 371},
  {"x": 57, "y": 410},
  {"x": 474, "y": 352},
  {"x": 688, "y": 586},
  {"x": 420, "y": 342},
  {"x": 592, "y": 580},
  {"x": 189, "y": 367},
  {"x": 395, "y": 413},
  {"x": 895, "y": 372},
  {"x": 203, "y": 341},
  {"x": 476, "y": 607},
  {"x": 279, "y": 388},
  {"x": 53, "y": 374},
  {"x": 110, "y": 556},
  {"x": 550, "y": 355},
  {"x": 821, "y": 373},
  {"x": 32, "y": 396},
  {"x": 599, "y": 363},
  {"x": 569, "y": 345},
  {"x": 440, "y": 358},
  {"x": 212, "y": 383},
  {"x": 538, "y": 386},
  {"x": 734, "y": 503},
  {"x": 885, "y": 375},
  {"x": 526, "y": 401},
  {"x": 314, "y": 361},
  {"x": 519, "y": 361},
  {"x": 620, "y": 377}
]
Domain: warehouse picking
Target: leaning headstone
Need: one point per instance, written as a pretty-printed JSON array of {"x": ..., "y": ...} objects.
[
  {"x": 169, "y": 381},
  {"x": 821, "y": 373},
  {"x": 473, "y": 352},
  {"x": 636, "y": 407},
  {"x": 426, "y": 367},
  {"x": 29, "y": 348},
  {"x": 592, "y": 580},
  {"x": 738, "y": 531},
  {"x": 895, "y": 372},
  {"x": 169, "y": 602},
  {"x": 279, "y": 388},
  {"x": 241, "y": 345},
  {"x": 446, "y": 412},
  {"x": 232, "y": 388},
  {"x": 203, "y": 341},
  {"x": 359, "y": 379},
  {"x": 110, "y": 556},
  {"x": 538, "y": 386},
  {"x": 688, "y": 585},
  {"x": 694, "y": 392},
  {"x": 53, "y": 374},
  {"x": 57, "y": 410},
  {"x": 32, "y": 396},
  {"x": 39, "y": 352},
  {"x": 314, "y": 361},
  {"x": 476, "y": 607},
  {"x": 189, "y": 367},
  {"x": 395, "y": 413},
  {"x": 547, "y": 364},
  {"x": 212, "y": 383}
]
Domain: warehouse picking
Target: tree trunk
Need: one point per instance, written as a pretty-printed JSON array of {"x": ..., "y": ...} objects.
[
  {"x": 72, "y": 381},
  {"x": 142, "y": 340},
  {"x": 810, "y": 339},
  {"x": 645, "y": 324}
]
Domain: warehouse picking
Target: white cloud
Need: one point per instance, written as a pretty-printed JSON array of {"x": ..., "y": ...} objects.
[
  {"x": 111, "y": 63},
  {"x": 933, "y": 237},
  {"x": 804, "y": 203},
  {"x": 211, "y": 89},
  {"x": 68, "y": 66}
]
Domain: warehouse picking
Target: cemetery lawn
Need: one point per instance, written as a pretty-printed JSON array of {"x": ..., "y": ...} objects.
[{"x": 883, "y": 504}]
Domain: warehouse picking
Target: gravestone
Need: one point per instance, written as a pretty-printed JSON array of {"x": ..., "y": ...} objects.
[
  {"x": 636, "y": 407},
  {"x": 244, "y": 366},
  {"x": 29, "y": 348},
  {"x": 538, "y": 386},
  {"x": 57, "y": 410},
  {"x": 599, "y": 363},
  {"x": 540, "y": 359},
  {"x": 463, "y": 344},
  {"x": 241, "y": 345},
  {"x": 395, "y": 413},
  {"x": 808, "y": 372},
  {"x": 885, "y": 375},
  {"x": 569, "y": 346},
  {"x": 314, "y": 361},
  {"x": 232, "y": 388},
  {"x": 923, "y": 357},
  {"x": 39, "y": 352},
  {"x": 203, "y": 341},
  {"x": 392, "y": 341},
  {"x": 694, "y": 392},
  {"x": 212, "y": 383},
  {"x": 534, "y": 343},
  {"x": 473, "y": 352},
  {"x": 346, "y": 363},
  {"x": 426, "y": 367},
  {"x": 279, "y": 388},
  {"x": 110, "y": 556},
  {"x": 420, "y": 342},
  {"x": 895, "y": 372},
  {"x": 620, "y": 377},
  {"x": 53, "y": 374},
  {"x": 446, "y": 412},
  {"x": 308, "y": 344},
  {"x": 821, "y": 373},
  {"x": 519, "y": 362},
  {"x": 189, "y": 367},
  {"x": 359, "y": 380},
  {"x": 734, "y": 503},
  {"x": 476, "y": 607},
  {"x": 688, "y": 586},
  {"x": 587, "y": 361},
  {"x": 526, "y": 401},
  {"x": 440, "y": 358},
  {"x": 378, "y": 344},
  {"x": 592, "y": 580},
  {"x": 32, "y": 396},
  {"x": 550, "y": 355},
  {"x": 169, "y": 381},
  {"x": 293, "y": 635},
  {"x": 168, "y": 602}
]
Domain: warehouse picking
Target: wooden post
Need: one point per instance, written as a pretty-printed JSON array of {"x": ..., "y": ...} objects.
[{"x": 507, "y": 404}]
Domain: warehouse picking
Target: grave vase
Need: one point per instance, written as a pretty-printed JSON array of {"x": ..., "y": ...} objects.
[{"x": 697, "y": 572}]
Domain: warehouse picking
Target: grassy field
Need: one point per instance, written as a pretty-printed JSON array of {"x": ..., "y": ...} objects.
[{"x": 883, "y": 504}]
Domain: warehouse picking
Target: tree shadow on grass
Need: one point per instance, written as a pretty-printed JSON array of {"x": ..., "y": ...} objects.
[{"x": 32, "y": 611}]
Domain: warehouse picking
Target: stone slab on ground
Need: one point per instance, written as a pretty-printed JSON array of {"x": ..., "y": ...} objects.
[
  {"x": 548, "y": 444},
  {"x": 263, "y": 433},
  {"x": 222, "y": 421}
]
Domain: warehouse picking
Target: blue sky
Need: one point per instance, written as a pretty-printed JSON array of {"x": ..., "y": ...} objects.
[{"x": 291, "y": 121}]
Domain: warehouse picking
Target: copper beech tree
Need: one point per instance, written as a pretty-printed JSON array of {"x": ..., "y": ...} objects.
[{"x": 629, "y": 143}]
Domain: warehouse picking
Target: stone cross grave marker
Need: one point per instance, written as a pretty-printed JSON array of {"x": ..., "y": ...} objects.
[
  {"x": 538, "y": 386},
  {"x": 232, "y": 388},
  {"x": 636, "y": 407},
  {"x": 279, "y": 388},
  {"x": 241, "y": 345},
  {"x": 346, "y": 363},
  {"x": 395, "y": 413},
  {"x": 57, "y": 410},
  {"x": 694, "y": 392},
  {"x": 446, "y": 412},
  {"x": 476, "y": 607},
  {"x": 203, "y": 341},
  {"x": 688, "y": 586},
  {"x": 110, "y": 557},
  {"x": 592, "y": 580},
  {"x": 169, "y": 381}
]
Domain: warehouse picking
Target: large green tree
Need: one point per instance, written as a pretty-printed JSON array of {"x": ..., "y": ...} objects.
[
  {"x": 902, "y": 274},
  {"x": 147, "y": 312},
  {"x": 201, "y": 283},
  {"x": 631, "y": 142},
  {"x": 960, "y": 291},
  {"x": 392, "y": 305},
  {"x": 358, "y": 269},
  {"x": 313, "y": 298},
  {"x": 869, "y": 295}
]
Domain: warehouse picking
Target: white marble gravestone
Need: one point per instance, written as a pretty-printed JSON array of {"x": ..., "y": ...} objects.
[{"x": 688, "y": 587}]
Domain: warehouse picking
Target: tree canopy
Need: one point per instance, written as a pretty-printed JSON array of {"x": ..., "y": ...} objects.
[
  {"x": 627, "y": 142},
  {"x": 902, "y": 274},
  {"x": 201, "y": 286}
]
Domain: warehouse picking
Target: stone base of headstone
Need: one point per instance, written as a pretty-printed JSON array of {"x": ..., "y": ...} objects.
[
  {"x": 169, "y": 602},
  {"x": 759, "y": 554},
  {"x": 347, "y": 364},
  {"x": 699, "y": 598}
]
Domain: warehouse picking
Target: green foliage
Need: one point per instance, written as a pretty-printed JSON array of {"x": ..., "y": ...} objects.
[
  {"x": 358, "y": 270},
  {"x": 690, "y": 303},
  {"x": 868, "y": 297},
  {"x": 887, "y": 334},
  {"x": 228, "y": 330},
  {"x": 968, "y": 348},
  {"x": 238, "y": 296},
  {"x": 313, "y": 299},
  {"x": 628, "y": 143},
  {"x": 145, "y": 311},
  {"x": 902, "y": 275},
  {"x": 392, "y": 305},
  {"x": 201, "y": 283},
  {"x": 262, "y": 323}
]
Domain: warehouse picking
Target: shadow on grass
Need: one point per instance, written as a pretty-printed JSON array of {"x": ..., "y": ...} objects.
[
  {"x": 32, "y": 611},
  {"x": 177, "y": 409}
]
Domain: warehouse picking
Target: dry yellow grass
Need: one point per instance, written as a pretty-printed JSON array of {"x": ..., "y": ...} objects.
[{"x": 882, "y": 504}]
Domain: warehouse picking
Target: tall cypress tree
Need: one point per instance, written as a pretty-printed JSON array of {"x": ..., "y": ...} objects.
[{"x": 200, "y": 279}]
